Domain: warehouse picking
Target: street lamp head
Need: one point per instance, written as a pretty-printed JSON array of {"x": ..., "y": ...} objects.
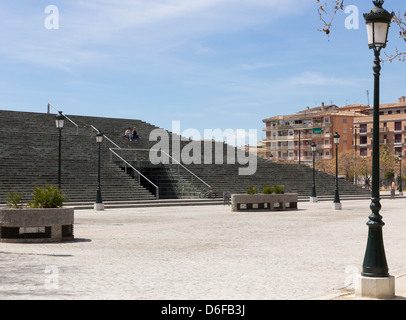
[
  {"x": 400, "y": 157},
  {"x": 60, "y": 119},
  {"x": 336, "y": 138},
  {"x": 313, "y": 145},
  {"x": 99, "y": 137},
  {"x": 378, "y": 21}
]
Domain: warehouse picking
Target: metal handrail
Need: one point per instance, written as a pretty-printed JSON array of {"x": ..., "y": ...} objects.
[
  {"x": 139, "y": 173},
  {"x": 77, "y": 127},
  {"x": 98, "y": 131},
  {"x": 173, "y": 160}
]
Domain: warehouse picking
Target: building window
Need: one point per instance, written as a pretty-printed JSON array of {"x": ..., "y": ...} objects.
[
  {"x": 389, "y": 112},
  {"x": 344, "y": 120},
  {"x": 398, "y": 126},
  {"x": 363, "y": 140},
  {"x": 327, "y": 153},
  {"x": 362, "y": 128},
  {"x": 326, "y": 142},
  {"x": 398, "y": 138},
  {"x": 363, "y": 152}
]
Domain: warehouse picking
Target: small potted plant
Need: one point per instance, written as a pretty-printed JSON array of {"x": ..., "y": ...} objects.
[{"x": 42, "y": 220}]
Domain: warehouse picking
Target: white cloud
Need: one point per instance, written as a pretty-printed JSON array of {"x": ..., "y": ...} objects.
[
  {"x": 318, "y": 79},
  {"x": 257, "y": 66}
]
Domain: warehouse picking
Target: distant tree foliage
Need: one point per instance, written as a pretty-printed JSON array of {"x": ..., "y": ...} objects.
[{"x": 328, "y": 9}]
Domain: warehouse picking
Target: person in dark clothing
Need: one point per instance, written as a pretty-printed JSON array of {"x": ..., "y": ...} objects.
[{"x": 135, "y": 134}]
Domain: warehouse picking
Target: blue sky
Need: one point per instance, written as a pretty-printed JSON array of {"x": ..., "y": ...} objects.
[{"x": 206, "y": 63}]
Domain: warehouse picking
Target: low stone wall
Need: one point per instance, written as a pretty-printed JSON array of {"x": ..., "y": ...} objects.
[
  {"x": 36, "y": 225},
  {"x": 268, "y": 202}
]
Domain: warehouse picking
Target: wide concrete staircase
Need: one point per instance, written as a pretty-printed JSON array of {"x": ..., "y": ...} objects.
[{"x": 29, "y": 157}]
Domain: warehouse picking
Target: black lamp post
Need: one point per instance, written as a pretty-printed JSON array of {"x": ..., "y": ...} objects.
[
  {"x": 400, "y": 175},
  {"x": 299, "y": 148},
  {"x": 355, "y": 128},
  {"x": 378, "y": 21},
  {"x": 313, "y": 198},
  {"x": 271, "y": 157},
  {"x": 337, "y": 203},
  {"x": 60, "y": 120},
  {"x": 99, "y": 203}
]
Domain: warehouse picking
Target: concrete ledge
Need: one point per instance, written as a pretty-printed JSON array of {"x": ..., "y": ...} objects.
[
  {"x": 267, "y": 202},
  {"x": 378, "y": 288},
  {"x": 36, "y": 225},
  {"x": 98, "y": 206}
]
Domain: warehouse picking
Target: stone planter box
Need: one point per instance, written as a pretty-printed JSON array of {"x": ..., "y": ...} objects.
[
  {"x": 267, "y": 202},
  {"x": 36, "y": 225}
]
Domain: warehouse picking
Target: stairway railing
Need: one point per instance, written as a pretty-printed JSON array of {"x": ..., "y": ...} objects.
[
  {"x": 170, "y": 157},
  {"x": 77, "y": 127},
  {"x": 126, "y": 162},
  {"x": 107, "y": 138},
  {"x": 139, "y": 173},
  {"x": 117, "y": 147}
]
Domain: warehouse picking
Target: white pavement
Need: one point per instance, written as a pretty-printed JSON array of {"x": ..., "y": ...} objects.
[{"x": 205, "y": 253}]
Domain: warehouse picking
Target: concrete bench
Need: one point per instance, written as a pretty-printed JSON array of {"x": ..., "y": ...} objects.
[
  {"x": 266, "y": 202},
  {"x": 36, "y": 225}
]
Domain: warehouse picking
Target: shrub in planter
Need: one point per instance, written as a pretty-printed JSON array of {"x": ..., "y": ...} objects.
[
  {"x": 252, "y": 190},
  {"x": 14, "y": 200},
  {"x": 279, "y": 189},
  {"x": 47, "y": 197},
  {"x": 267, "y": 190}
]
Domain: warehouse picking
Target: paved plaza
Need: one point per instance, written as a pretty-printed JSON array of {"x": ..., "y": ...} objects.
[{"x": 206, "y": 252}]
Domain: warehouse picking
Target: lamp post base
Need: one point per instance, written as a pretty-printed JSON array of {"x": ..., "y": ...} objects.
[
  {"x": 314, "y": 199},
  {"x": 337, "y": 206},
  {"x": 98, "y": 206},
  {"x": 378, "y": 288}
]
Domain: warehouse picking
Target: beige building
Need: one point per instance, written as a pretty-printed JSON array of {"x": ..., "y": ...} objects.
[
  {"x": 392, "y": 127},
  {"x": 289, "y": 137}
]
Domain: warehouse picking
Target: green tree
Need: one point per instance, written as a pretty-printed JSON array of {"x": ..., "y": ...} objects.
[
  {"x": 363, "y": 168},
  {"x": 387, "y": 159},
  {"x": 346, "y": 164}
]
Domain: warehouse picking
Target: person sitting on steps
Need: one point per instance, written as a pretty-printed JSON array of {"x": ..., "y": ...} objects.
[
  {"x": 127, "y": 134},
  {"x": 134, "y": 135}
]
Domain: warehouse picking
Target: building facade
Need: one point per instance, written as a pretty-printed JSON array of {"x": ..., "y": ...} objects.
[
  {"x": 392, "y": 129},
  {"x": 289, "y": 137}
]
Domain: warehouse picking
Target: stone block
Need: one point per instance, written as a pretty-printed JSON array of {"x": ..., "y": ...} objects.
[{"x": 378, "y": 288}]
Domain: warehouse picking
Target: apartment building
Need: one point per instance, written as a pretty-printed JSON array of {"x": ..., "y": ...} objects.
[
  {"x": 392, "y": 127},
  {"x": 289, "y": 137}
]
